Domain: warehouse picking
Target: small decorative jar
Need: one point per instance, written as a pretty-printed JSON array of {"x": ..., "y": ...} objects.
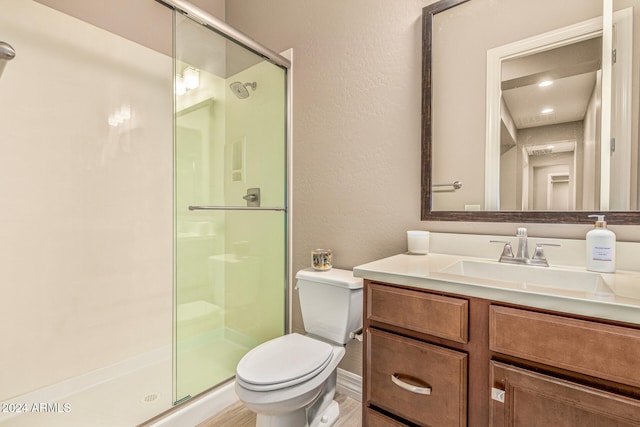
[{"x": 321, "y": 259}]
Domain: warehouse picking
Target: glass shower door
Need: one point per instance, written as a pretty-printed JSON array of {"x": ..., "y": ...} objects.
[{"x": 230, "y": 194}]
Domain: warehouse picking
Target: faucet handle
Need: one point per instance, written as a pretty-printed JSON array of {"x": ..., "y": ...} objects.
[
  {"x": 507, "y": 251},
  {"x": 538, "y": 257},
  {"x": 541, "y": 244},
  {"x": 506, "y": 242}
]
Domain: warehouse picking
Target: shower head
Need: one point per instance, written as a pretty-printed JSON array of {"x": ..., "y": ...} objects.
[
  {"x": 240, "y": 89},
  {"x": 7, "y": 53}
]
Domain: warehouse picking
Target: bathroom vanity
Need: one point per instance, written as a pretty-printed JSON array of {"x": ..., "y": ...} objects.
[{"x": 445, "y": 346}]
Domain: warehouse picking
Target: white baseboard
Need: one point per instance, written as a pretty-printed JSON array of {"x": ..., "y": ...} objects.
[{"x": 349, "y": 384}]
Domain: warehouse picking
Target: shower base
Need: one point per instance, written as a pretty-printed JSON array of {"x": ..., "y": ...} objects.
[{"x": 131, "y": 392}]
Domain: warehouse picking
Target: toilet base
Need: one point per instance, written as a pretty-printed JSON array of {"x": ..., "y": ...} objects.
[
  {"x": 329, "y": 417},
  {"x": 299, "y": 418},
  {"x": 293, "y": 419}
]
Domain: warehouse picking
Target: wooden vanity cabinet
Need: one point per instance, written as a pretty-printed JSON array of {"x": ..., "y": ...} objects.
[{"x": 487, "y": 363}]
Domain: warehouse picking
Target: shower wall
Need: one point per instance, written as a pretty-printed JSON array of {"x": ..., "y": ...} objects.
[
  {"x": 86, "y": 202},
  {"x": 258, "y": 122}
]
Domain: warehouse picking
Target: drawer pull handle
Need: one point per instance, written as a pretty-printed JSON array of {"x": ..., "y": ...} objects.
[
  {"x": 410, "y": 387},
  {"x": 497, "y": 394}
]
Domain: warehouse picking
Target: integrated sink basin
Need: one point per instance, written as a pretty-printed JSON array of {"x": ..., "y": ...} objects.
[{"x": 531, "y": 278}]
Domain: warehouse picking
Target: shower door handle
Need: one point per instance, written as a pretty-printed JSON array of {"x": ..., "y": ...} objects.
[
  {"x": 253, "y": 204},
  {"x": 252, "y": 197}
]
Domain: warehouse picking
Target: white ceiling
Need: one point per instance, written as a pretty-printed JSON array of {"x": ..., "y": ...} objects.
[
  {"x": 573, "y": 70},
  {"x": 568, "y": 97}
]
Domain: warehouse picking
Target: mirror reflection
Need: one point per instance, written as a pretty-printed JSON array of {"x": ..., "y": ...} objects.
[
  {"x": 549, "y": 135},
  {"x": 536, "y": 114}
]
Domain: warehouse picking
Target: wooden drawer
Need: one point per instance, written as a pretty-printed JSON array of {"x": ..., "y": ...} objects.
[
  {"x": 376, "y": 419},
  {"x": 592, "y": 348},
  {"x": 424, "y": 365},
  {"x": 437, "y": 315}
]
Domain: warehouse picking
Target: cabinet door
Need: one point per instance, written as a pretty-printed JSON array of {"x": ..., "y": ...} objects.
[
  {"x": 532, "y": 399},
  {"x": 423, "y": 383}
]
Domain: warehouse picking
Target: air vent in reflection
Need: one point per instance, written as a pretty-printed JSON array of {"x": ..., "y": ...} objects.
[
  {"x": 540, "y": 152},
  {"x": 535, "y": 120}
]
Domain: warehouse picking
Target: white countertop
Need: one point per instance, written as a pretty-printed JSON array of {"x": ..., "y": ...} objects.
[{"x": 423, "y": 272}]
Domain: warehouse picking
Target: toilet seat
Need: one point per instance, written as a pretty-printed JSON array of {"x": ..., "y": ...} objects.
[{"x": 283, "y": 362}]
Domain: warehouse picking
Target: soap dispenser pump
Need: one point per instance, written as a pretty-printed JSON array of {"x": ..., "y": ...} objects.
[{"x": 601, "y": 247}]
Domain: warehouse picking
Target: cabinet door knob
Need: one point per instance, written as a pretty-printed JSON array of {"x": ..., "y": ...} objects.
[{"x": 410, "y": 387}]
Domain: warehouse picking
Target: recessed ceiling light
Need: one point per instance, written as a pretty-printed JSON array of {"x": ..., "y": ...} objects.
[
  {"x": 545, "y": 83},
  {"x": 547, "y": 111}
]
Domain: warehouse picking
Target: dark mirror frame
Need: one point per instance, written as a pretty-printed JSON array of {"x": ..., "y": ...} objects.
[{"x": 565, "y": 217}]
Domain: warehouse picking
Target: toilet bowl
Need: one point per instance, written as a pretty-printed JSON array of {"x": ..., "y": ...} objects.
[
  {"x": 295, "y": 379},
  {"x": 290, "y": 381}
]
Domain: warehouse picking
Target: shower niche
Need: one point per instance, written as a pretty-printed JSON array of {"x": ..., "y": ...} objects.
[{"x": 237, "y": 160}]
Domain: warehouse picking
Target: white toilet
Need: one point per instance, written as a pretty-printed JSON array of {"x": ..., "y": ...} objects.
[{"x": 290, "y": 381}]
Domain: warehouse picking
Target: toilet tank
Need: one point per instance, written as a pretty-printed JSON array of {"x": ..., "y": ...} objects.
[{"x": 331, "y": 303}]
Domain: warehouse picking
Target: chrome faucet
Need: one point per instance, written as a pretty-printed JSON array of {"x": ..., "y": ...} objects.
[
  {"x": 523, "y": 246},
  {"x": 522, "y": 254}
]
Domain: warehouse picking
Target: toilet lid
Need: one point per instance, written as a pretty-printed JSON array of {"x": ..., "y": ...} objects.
[{"x": 283, "y": 362}]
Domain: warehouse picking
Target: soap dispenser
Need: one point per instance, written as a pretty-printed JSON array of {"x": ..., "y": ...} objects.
[{"x": 601, "y": 247}]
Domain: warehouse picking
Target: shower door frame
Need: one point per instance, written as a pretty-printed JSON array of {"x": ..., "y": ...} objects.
[
  {"x": 224, "y": 29},
  {"x": 285, "y": 62}
]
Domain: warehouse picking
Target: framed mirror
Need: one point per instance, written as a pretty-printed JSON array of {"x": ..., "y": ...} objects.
[{"x": 530, "y": 111}]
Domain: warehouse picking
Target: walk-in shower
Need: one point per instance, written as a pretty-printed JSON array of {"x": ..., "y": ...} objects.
[
  {"x": 240, "y": 89},
  {"x": 146, "y": 277},
  {"x": 7, "y": 53}
]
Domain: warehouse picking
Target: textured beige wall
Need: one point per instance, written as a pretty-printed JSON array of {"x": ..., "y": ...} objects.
[{"x": 356, "y": 124}]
